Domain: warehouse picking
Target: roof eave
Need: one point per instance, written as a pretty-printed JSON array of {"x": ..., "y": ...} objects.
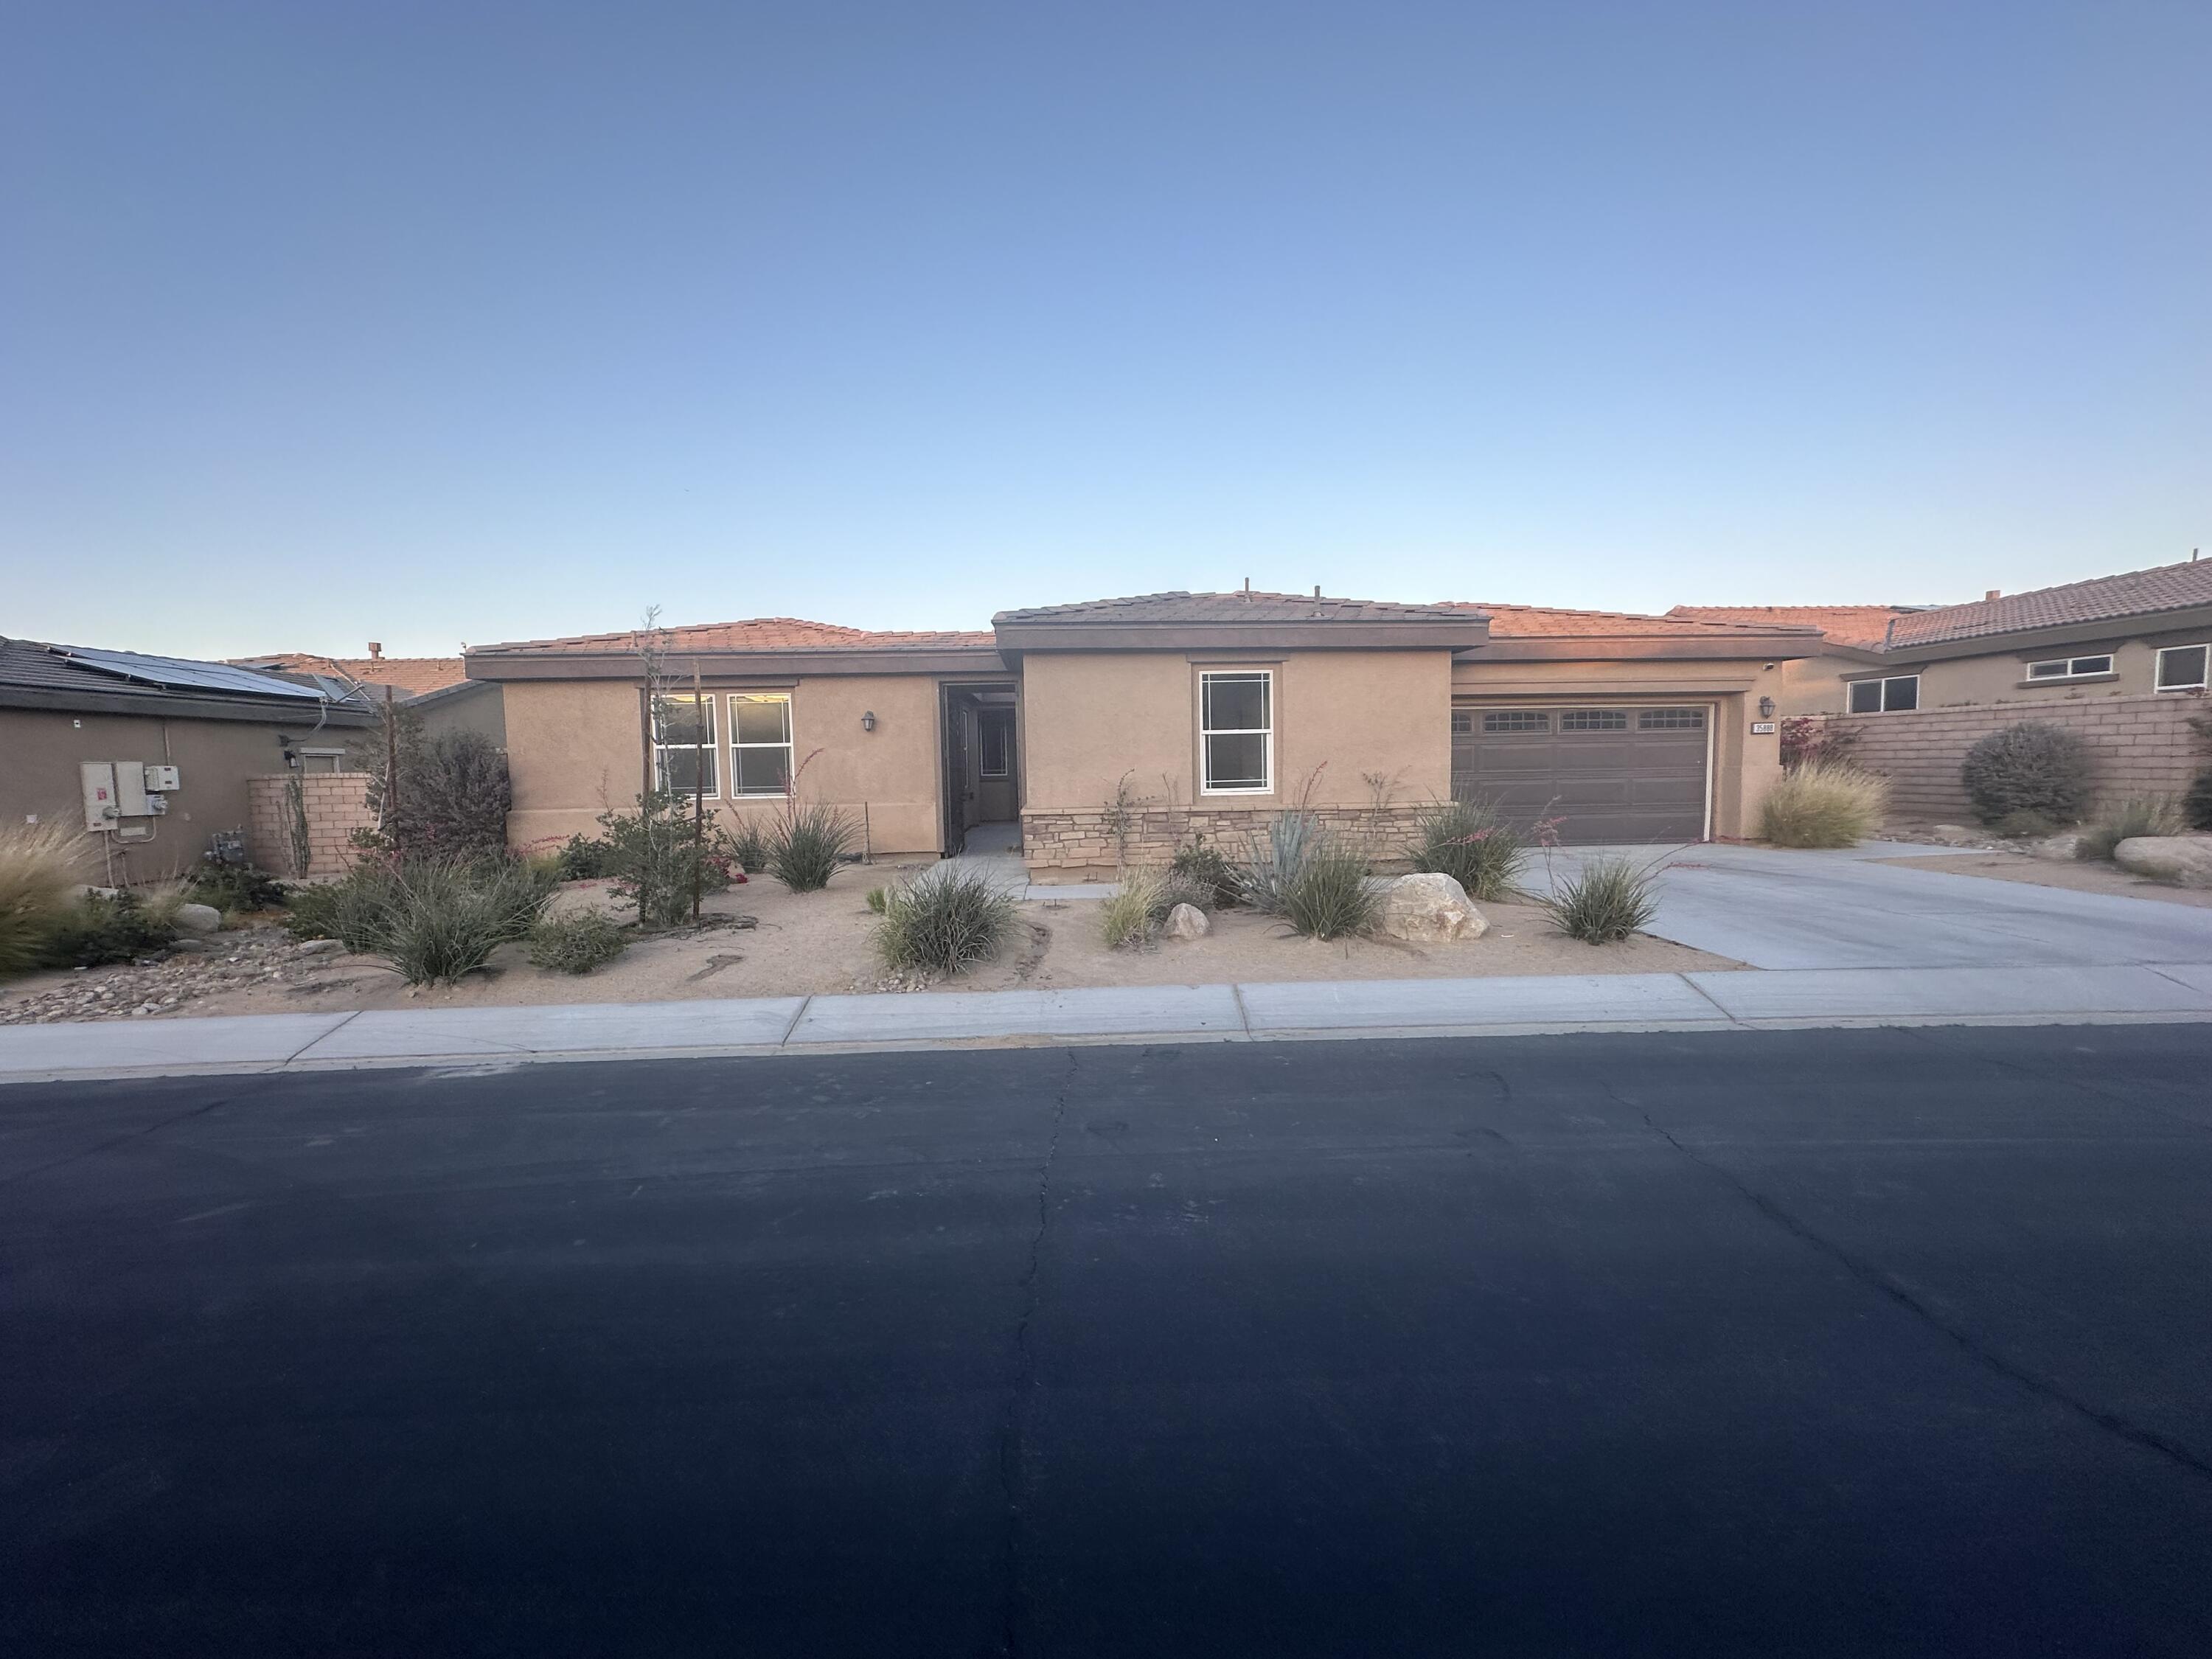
[
  {"x": 1264, "y": 635},
  {"x": 1629, "y": 647},
  {"x": 725, "y": 663},
  {"x": 2180, "y": 619},
  {"x": 159, "y": 705}
]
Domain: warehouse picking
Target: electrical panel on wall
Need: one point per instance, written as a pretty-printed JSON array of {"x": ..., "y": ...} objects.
[
  {"x": 160, "y": 778},
  {"x": 98, "y": 780},
  {"x": 131, "y": 788}
]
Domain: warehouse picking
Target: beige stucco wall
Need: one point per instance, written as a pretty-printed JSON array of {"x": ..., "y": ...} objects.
[
  {"x": 1091, "y": 717},
  {"x": 575, "y": 749},
  {"x": 1817, "y": 686},
  {"x": 1745, "y": 764},
  {"x": 39, "y": 752}
]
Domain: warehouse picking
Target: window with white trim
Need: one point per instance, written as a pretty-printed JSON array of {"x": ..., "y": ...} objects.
[
  {"x": 1888, "y": 696},
  {"x": 1236, "y": 732},
  {"x": 2184, "y": 668},
  {"x": 760, "y": 743},
  {"x": 2071, "y": 668},
  {"x": 1594, "y": 719},
  {"x": 683, "y": 748}
]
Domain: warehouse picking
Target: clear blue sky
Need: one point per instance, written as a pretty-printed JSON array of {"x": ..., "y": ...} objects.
[{"x": 436, "y": 322}]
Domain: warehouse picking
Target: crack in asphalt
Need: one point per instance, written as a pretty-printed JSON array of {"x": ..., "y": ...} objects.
[
  {"x": 109, "y": 1146},
  {"x": 1024, "y": 1379},
  {"x": 1886, "y": 1286}
]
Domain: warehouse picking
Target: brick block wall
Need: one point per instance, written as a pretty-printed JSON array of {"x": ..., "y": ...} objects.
[
  {"x": 337, "y": 804},
  {"x": 1087, "y": 841},
  {"x": 2137, "y": 745}
]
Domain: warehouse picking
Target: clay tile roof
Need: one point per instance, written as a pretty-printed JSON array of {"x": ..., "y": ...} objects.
[
  {"x": 2106, "y": 599},
  {"x": 411, "y": 677},
  {"x": 756, "y": 634},
  {"x": 1243, "y": 606},
  {"x": 1864, "y": 626},
  {"x": 1532, "y": 621}
]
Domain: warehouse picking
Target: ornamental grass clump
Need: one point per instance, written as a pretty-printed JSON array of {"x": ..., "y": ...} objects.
[
  {"x": 2139, "y": 814},
  {"x": 37, "y": 873},
  {"x": 1606, "y": 902},
  {"x": 1329, "y": 897},
  {"x": 1823, "y": 804},
  {"x": 806, "y": 844},
  {"x": 944, "y": 920},
  {"x": 1466, "y": 841},
  {"x": 443, "y": 920},
  {"x": 1131, "y": 916}
]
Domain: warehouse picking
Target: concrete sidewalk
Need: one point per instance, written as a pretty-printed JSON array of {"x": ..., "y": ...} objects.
[{"x": 1422, "y": 1007}]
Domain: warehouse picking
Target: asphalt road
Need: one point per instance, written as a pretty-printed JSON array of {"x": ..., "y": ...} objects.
[{"x": 1890, "y": 1342}]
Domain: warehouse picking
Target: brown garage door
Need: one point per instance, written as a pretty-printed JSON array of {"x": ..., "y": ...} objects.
[{"x": 1610, "y": 773}]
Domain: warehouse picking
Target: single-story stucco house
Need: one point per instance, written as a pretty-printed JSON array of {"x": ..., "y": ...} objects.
[
  {"x": 2142, "y": 632},
  {"x": 1091, "y": 732}
]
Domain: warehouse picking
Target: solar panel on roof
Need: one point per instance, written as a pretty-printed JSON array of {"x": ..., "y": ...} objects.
[{"x": 178, "y": 671}]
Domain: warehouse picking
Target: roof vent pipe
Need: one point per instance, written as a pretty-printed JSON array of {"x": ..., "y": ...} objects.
[
  {"x": 1316, "y": 589},
  {"x": 376, "y": 650},
  {"x": 1994, "y": 593},
  {"x": 1247, "y": 587}
]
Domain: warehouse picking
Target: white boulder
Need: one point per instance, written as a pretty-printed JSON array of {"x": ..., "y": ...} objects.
[
  {"x": 198, "y": 917},
  {"x": 1186, "y": 921},
  {"x": 2184, "y": 858},
  {"x": 1431, "y": 909}
]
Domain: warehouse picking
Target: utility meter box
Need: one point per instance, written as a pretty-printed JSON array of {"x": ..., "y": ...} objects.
[
  {"x": 131, "y": 789},
  {"x": 156, "y": 805},
  {"x": 160, "y": 778},
  {"x": 98, "y": 780}
]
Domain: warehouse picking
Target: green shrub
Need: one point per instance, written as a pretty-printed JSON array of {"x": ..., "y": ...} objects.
[
  {"x": 657, "y": 852},
  {"x": 2197, "y": 805},
  {"x": 1465, "y": 840},
  {"x": 2029, "y": 767},
  {"x": 2026, "y": 825},
  {"x": 1209, "y": 869},
  {"x": 2139, "y": 814},
  {"x": 232, "y": 888},
  {"x": 1823, "y": 804},
  {"x": 579, "y": 857},
  {"x": 806, "y": 845},
  {"x": 1608, "y": 900},
  {"x": 750, "y": 848},
  {"x": 1278, "y": 860},
  {"x": 1329, "y": 897},
  {"x": 577, "y": 944},
  {"x": 353, "y": 910},
  {"x": 37, "y": 873},
  {"x": 876, "y": 900},
  {"x": 454, "y": 794},
  {"x": 944, "y": 920},
  {"x": 99, "y": 929}
]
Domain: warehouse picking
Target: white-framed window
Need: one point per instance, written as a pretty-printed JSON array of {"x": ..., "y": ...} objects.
[
  {"x": 1236, "y": 732},
  {"x": 2071, "y": 668},
  {"x": 996, "y": 739},
  {"x": 760, "y": 744},
  {"x": 1887, "y": 696},
  {"x": 2184, "y": 668},
  {"x": 683, "y": 748}
]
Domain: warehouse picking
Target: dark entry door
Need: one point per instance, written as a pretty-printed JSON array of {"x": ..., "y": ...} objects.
[
  {"x": 1606, "y": 772},
  {"x": 953, "y": 721}
]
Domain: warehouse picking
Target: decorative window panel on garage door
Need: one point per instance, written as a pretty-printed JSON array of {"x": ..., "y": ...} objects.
[{"x": 1608, "y": 772}]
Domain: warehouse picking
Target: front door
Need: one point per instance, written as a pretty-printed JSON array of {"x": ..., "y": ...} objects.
[{"x": 953, "y": 719}]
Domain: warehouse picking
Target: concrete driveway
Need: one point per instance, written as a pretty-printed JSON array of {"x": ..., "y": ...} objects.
[{"x": 1771, "y": 909}]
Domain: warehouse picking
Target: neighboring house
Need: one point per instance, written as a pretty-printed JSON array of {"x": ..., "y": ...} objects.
[
  {"x": 1120, "y": 728},
  {"x": 2145, "y": 632},
  {"x": 151, "y": 755},
  {"x": 436, "y": 690},
  {"x": 1814, "y": 685}
]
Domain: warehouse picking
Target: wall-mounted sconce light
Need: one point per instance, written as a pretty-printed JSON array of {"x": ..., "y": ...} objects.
[
  {"x": 868, "y": 720},
  {"x": 1766, "y": 708}
]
